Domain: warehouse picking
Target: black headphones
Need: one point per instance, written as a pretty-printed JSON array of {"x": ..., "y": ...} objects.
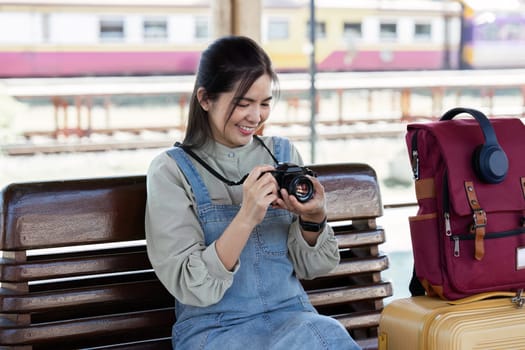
[{"x": 489, "y": 160}]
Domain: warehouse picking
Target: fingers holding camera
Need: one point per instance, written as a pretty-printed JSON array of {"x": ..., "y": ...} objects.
[
  {"x": 259, "y": 192},
  {"x": 311, "y": 210}
]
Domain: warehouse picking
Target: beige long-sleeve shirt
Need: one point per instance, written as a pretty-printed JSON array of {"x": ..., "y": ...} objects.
[{"x": 189, "y": 269}]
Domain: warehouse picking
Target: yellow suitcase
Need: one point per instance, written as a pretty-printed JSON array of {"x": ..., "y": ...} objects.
[{"x": 489, "y": 321}]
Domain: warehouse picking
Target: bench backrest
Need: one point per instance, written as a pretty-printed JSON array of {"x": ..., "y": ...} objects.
[{"x": 74, "y": 271}]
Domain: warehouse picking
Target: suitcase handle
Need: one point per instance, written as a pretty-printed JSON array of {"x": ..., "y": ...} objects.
[
  {"x": 489, "y": 160},
  {"x": 481, "y": 296}
]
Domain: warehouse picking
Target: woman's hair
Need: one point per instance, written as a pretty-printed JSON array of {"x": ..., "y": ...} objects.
[{"x": 228, "y": 62}]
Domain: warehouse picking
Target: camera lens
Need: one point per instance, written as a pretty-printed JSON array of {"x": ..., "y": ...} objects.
[{"x": 302, "y": 188}]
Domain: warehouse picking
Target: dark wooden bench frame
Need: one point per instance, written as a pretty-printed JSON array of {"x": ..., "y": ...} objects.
[{"x": 74, "y": 271}]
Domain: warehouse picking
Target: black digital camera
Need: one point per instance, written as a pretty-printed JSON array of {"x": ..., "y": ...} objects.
[{"x": 293, "y": 178}]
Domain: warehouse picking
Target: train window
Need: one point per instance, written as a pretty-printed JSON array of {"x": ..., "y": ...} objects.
[
  {"x": 499, "y": 31},
  {"x": 155, "y": 29},
  {"x": 45, "y": 27},
  {"x": 320, "y": 29},
  {"x": 352, "y": 30},
  {"x": 422, "y": 31},
  {"x": 511, "y": 31},
  {"x": 111, "y": 29},
  {"x": 202, "y": 28},
  {"x": 278, "y": 29},
  {"x": 388, "y": 31},
  {"x": 487, "y": 32}
]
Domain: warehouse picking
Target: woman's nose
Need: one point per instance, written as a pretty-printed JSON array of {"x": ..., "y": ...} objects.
[{"x": 255, "y": 113}]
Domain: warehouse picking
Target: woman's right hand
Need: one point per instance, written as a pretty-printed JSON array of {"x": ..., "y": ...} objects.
[{"x": 260, "y": 190}]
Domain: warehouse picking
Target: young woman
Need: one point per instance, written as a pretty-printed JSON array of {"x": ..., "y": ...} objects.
[{"x": 222, "y": 236}]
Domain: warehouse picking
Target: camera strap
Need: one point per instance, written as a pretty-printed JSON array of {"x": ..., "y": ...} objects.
[
  {"x": 266, "y": 148},
  {"x": 213, "y": 171}
]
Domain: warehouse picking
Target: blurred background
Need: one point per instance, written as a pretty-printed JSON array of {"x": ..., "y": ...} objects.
[{"x": 95, "y": 88}]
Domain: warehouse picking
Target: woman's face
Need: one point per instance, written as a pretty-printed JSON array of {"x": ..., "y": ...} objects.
[{"x": 250, "y": 112}]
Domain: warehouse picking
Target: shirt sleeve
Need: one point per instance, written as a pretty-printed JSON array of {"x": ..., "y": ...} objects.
[
  {"x": 311, "y": 261},
  {"x": 190, "y": 270}
]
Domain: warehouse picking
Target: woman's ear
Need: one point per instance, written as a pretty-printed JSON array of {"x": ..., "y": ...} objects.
[{"x": 202, "y": 97}]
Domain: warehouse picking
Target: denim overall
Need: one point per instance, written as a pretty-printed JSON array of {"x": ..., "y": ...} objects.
[{"x": 266, "y": 307}]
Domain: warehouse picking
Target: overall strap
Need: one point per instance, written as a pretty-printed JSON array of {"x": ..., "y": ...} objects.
[
  {"x": 200, "y": 191},
  {"x": 281, "y": 148}
]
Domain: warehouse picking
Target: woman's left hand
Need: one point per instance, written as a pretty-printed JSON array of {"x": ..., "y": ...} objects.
[{"x": 313, "y": 210}]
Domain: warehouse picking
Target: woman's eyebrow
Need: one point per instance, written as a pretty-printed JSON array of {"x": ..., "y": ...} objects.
[{"x": 253, "y": 100}]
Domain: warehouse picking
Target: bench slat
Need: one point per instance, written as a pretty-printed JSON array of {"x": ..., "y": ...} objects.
[
  {"x": 349, "y": 294},
  {"x": 352, "y": 191},
  {"x": 121, "y": 328},
  {"x": 359, "y": 319},
  {"x": 67, "y": 213},
  {"x": 157, "y": 344},
  {"x": 82, "y": 300},
  {"x": 368, "y": 343},
  {"x": 362, "y": 265},
  {"x": 347, "y": 238},
  {"x": 43, "y": 268}
]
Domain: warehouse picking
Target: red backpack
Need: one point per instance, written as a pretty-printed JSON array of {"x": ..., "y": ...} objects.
[{"x": 468, "y": 236}]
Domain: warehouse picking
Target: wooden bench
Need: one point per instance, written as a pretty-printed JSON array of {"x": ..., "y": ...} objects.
[{"x": 74, "y": 271}]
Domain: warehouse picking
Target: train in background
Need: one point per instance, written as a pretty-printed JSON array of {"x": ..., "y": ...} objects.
[{"x": 50, "y": 38}]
